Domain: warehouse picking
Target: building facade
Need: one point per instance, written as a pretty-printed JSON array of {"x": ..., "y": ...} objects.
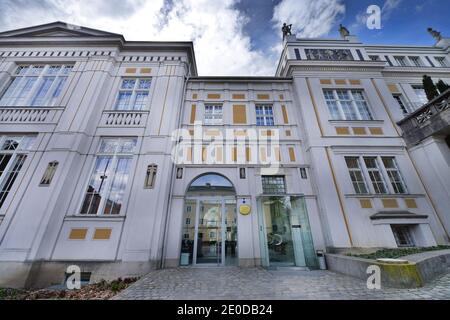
[{"x": 117, "y": 157}]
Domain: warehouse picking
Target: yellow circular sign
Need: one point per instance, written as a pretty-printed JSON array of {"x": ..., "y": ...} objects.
[{"x": 245, "y": 209}]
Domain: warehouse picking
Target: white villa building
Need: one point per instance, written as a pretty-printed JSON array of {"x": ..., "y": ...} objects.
[{"x": 117, "y": 157}]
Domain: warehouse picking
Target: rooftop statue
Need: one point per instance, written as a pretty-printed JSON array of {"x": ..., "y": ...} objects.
[
  {"x": 436, "y": 34},
  {"x": 343, "y": 31},
  {"x": 287, "y": 30}
]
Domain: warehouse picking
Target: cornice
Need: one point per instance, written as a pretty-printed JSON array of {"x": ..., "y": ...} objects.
[
  {"x": 295, "y": 66},
  {"x": 242, "y": 79}
]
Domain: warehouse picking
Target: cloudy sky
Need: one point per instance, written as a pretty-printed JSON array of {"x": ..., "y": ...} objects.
[{"x": 235, "y": 37}]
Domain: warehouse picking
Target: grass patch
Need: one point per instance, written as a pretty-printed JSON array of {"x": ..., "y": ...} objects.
[
  {"x": 396, "y": 253},
  {"x": 102, "y": 290}
]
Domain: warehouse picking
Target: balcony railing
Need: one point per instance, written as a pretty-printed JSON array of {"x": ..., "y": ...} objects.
[
  {"x": 124, "y": 118},
  {"x": 30, "y": 115},
  {"x": 430, "y": 119}
]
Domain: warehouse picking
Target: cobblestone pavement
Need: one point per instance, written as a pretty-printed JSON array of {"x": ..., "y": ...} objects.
[{"x": 259, "y": 283}]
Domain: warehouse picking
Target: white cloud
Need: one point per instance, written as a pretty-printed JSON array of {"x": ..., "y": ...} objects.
[
  {"x": 310, "y": 19},
  {"x": 216, "y": 27},
  {"x": 388, "y": 7}
]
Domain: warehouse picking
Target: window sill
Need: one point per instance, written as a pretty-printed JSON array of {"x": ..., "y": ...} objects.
[
  {"x": 126, "y": 111},
  {"x": 352, "y": 122},
  {"x": 382, "y": 196},
  {"x": 32, "y": 107},
  {"x": 94, "y": 218}
]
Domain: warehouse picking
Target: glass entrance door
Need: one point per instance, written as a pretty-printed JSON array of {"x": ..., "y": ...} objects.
[
  {"x": 286, "y": 238},
  {"x": 279, "y": 232},
  {"x": 209, "y": 232}
]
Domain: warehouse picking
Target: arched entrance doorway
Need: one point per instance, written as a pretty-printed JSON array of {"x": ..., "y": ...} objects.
[{"x": 209, "y": 235}]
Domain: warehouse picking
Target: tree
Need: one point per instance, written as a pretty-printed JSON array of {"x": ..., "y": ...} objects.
[
  {"x": 430, "y": 88},
  {"x": 442, "y": 86}
]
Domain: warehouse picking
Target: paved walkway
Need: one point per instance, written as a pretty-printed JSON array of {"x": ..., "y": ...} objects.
[{"x": 258, "y": 283}]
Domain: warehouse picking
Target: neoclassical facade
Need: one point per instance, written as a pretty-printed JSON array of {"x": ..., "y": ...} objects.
[{"x": 117, "y": 157}]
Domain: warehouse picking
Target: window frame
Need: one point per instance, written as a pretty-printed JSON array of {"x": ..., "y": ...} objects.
[
  {"x": 353, "y": 102},
  {"x": 416, "y": 61},
  {"x": 372, "y": 179},
  {"x": 134, "y": 93},
  {"x": 383, "y": 172},
  {"x": 442, "y": 62},
  {"x": 416, "y": 87},
  {"x": 361, "y": 171},
  {"x": 20, "y": 151},
  {"x": 270, "y": 177},
  {"x": 398, "y": 97},
  {"x": 264, "y": 116},
  {"x": 213, "y": 120},
  {"x": 48, "y": 99},
  {"x": 401, "y": 61},
  {"x": 396, "y": 169},
  {"x": 410, "y": 238},
  {"x": 107, "y": 188}
]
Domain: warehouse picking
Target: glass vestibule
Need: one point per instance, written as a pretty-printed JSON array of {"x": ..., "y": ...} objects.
[
  {"x": 209, "y": 235},
  {"x": 285, "y": 232},
  {"x": 209, "y": 232}
]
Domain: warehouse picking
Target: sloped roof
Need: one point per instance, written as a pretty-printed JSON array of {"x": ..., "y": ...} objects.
[
  {"x": 60, "y": 33},
  {"x": 58, "y": 29}
]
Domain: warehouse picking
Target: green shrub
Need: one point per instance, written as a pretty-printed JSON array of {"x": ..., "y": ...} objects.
[{"x": 397, "y": 253}]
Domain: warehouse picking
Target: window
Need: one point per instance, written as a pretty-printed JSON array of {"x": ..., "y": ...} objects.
[
  {"x": 303, "y": 173},
  {"x": 442, "y": 62},
  {"x": 49, "y": 173},
  {"x": 377, "y": 170},
  {"x": 390, "y": 164},
  {"x": 36, "y": 85},
  {"x": 150, "y": 176},
  {"x": 13, "y": 153},
  {"x": 109, "y": 179},
  {"x": 188, "y": 220},
  {"x": 179, "y": 173},
  {"x": 273, "y": 184},
  {"x": 401, "y": 61},
  {"x": 375, "y": 58},
  {"x": 420, "y": 93},
  {"x": 213, "y": 114},
  {"x": 347, "y": 105},
  {"x": 403, "y": 236},
  {"x": 242, "y": 174},
  {"x": 264, "y": 115},
  {"x": 133, "y": 94},
  {"x": 401, "y": 103},
  {"x": 416, "y": 61},
  {"x": 356, "y": 175},
  {"x": 375, "y": 175}
]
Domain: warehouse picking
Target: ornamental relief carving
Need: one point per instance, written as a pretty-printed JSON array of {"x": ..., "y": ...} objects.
[{"x": 329, "y": 54}]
